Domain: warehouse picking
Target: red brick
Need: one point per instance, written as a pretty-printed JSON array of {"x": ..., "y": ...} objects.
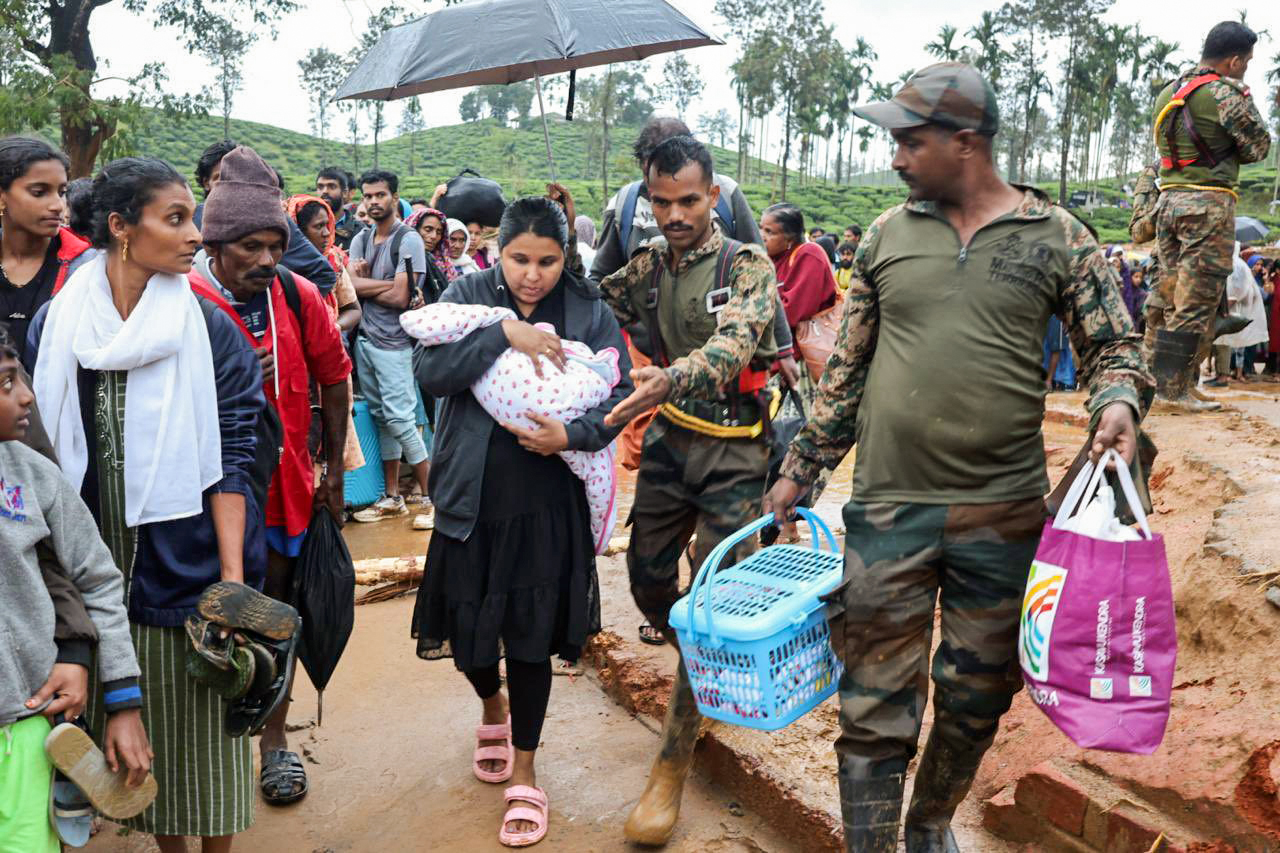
[
  {"x": 1130, "y": 829},
  {"x": 1002, "y": 817},
  {"x": 1053, "y": 796}
]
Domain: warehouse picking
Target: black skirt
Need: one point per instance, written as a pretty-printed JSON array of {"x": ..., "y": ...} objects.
[{"x": 525, "y": 583}]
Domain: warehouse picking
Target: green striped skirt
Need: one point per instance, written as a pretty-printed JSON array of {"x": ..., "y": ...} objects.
[{"x": 205, "y": 778}]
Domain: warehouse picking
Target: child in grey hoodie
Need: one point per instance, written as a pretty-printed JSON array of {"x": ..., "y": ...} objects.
[{"x": 38, "y": 505}]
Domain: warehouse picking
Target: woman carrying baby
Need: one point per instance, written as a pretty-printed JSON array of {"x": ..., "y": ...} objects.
[{"x": 510, "y": 570}]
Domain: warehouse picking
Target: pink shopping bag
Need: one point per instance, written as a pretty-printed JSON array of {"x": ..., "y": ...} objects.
[{"x": 1097, "y": 639}]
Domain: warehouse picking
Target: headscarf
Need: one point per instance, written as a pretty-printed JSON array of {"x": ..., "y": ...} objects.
[
  {"x": 464, "y": 262},
  {"x": 336, "y": 257},
  {"x": 585, "y": 229},
  {"x": 440, "y": 254}
]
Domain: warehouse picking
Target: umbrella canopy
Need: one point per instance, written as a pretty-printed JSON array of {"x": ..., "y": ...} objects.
[
  {"x": 505, "y": 41},
  {"x": 1250, "y": 230}
]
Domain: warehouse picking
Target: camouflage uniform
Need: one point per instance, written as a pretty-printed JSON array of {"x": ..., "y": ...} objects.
[
  {"x": 1146, "y": 194},
  {"x": 902, "y": 548},
  {"x": 687, "y": 481},
  {"x": 1195, "y": 216}
]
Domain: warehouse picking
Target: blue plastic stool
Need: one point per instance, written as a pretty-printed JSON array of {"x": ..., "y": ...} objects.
[
  {"x": 363, "y": 486},
  {"x": 754, "y": 636}
]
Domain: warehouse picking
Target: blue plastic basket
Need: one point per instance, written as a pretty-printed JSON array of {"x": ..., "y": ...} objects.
[
  {"x": 363, "y": 486},
  {"x": 754, "y": 636}
]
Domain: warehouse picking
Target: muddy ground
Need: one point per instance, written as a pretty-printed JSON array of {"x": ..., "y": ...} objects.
[{"x": 390, "y": 770}]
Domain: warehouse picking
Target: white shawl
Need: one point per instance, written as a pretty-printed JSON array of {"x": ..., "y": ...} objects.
[{"x": 172, "y": 441}]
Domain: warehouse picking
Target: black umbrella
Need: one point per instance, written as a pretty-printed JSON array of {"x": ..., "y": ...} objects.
[
  {"x": 324, "y": 593},
  {"x": 1250, "y": 230},
  {"x": 505, "y": 41}
]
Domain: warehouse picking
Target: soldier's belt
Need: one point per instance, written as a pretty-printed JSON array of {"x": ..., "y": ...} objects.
[
  {"x": 1201, "y": 188},
  {"x": 742, "y": 418}
]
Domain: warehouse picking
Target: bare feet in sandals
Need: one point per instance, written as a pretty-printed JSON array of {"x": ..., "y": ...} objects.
[
  {"x": 522, "y": 777},
  {"x": 493, "y": 758}
]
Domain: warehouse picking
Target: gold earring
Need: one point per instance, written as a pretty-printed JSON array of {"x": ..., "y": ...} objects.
[{"x": 124, "y": 251}]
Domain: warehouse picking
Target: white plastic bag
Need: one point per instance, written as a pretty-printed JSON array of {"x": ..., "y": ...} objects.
[{"x": 1097, "y": 515}]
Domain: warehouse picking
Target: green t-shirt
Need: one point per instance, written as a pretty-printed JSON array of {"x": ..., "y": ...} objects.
[{"x": 937, "y": 371}]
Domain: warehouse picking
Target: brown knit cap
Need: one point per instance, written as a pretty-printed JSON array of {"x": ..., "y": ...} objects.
[{"x": 246, "y": 198}]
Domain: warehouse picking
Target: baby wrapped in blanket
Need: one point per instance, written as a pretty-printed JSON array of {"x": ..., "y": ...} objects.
[{"x": 511, "y": 388}]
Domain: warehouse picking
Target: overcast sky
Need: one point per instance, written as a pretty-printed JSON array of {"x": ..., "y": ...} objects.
[{"x": 897, "y": 31}]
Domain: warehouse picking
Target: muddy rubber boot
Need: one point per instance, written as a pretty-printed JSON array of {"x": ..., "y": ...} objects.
[
  {"x": 654, "y": 816},
  {"x": 871, "y": 809},
  {"x": 943, "y": 779},
  {"x": 1173, "y": 364}
]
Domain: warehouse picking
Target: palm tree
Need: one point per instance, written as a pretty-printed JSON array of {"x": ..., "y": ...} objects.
[
  {"x": 943, "y": 47},
  {"x": 990, "y": 56},
  {"x": 1158, "y": 66},
  {"x": 1273, "y": 77},
  {"x": 860, "y": 58}
]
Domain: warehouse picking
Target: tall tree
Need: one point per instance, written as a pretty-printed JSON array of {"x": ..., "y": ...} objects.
[
  {"x": 1273, "y": 77},
  {"x": 744, "y": 20},
  {"x": 754, "y": 73},
  {"x": 804, "y": 53},
  {"x": 321, "y": 71},
  {"x": 943, "y": 46},
  {"x": 411, "y": 123},
  {"x": 681, "y": 83},
  {"x": 860, "y": 57},
  {"x": 717, "y": 126},
  {"x": 379, "y": 22},
  {"x": 224, "y": 47},
  {"x": 58, "y": 68},
  {"x": 1077, "y": 21},
  {"x": 990, "y": 57},
  {"x": 471, "y": 107}
]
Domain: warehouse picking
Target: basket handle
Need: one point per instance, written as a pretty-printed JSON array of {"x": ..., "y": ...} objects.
[{"x": 706, "y": 574}]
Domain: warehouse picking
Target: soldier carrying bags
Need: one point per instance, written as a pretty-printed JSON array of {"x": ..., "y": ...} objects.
[
  {"x": 1206, "y": 125},
  {"x": 708, "y": 304},
  {"x": 936, "y": 375}
]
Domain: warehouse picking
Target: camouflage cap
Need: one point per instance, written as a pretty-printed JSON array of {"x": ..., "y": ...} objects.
[{"x": 949, "y": 93}]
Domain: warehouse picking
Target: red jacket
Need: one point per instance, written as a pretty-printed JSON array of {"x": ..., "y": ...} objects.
[
  {"x": 805, "y": 282},
  {"x": 317, "y": 354}
]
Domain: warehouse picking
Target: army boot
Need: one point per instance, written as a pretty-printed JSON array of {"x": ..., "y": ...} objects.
[
  {"x": 1173, "y": 363},
  {"x": 871, "y": 808},
  {"x": 654, "y": 817},
  {"x": 943, "y": 780}
]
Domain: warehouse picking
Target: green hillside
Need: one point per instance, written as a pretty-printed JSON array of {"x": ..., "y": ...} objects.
[{"x": 516, "y": 158}]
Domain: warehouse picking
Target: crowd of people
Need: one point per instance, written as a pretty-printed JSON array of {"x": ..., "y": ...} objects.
[{"x": 176, "y": 414}]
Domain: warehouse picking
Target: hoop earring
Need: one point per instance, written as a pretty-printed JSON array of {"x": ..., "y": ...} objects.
[{"x": 124, "y": 251}]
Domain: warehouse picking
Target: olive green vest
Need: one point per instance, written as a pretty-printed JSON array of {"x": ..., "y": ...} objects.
[
  {"x": 687, "y": 306},
  {"x": 1203, "y": 107}
]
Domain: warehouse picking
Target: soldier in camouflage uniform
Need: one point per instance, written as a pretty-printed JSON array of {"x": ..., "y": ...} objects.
[
  {"x": 705, "y": 458},
  {"x": 936, "y": 375},
  {"x": 1142, "y": 229},
  {"x": 1206, "y": 126}
]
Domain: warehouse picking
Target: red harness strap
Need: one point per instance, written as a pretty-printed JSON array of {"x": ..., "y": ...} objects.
[{"x": 1178, "y": 104}]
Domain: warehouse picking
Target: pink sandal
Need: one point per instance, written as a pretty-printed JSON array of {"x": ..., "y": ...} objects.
[
  {"x": 507, "y": 753},
  {"x": 536, "y": 816}
]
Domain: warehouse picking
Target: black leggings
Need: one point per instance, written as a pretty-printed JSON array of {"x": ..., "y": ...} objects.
[{"x": 528, "y": 691}]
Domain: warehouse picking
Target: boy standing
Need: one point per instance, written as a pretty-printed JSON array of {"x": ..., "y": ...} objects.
[{"x": 38, "y": 505}]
